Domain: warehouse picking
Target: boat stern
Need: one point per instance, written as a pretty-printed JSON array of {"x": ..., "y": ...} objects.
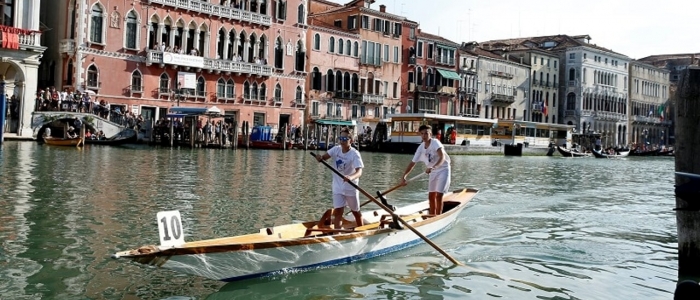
[{"x": 145, "y": 255}]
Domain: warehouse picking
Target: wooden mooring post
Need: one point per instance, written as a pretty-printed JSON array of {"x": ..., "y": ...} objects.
[{"x": 687, "y": 191}]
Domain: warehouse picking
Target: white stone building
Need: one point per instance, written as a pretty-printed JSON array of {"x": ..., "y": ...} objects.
[
  {"x": 503, "y": 84},
  {"x": 649, "y": 117},
  {"x": 20, "y": 51}
]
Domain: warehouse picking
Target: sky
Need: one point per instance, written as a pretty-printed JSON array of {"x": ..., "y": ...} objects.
[{"x": 636, "y": 28}]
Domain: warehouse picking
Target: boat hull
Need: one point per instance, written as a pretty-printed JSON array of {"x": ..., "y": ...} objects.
[
  {"x": 232, "y": 262},
  {"x": 568, "y": 153},
  {"x": 63, "y": 142},
  {"x": 598, "y": 154}
]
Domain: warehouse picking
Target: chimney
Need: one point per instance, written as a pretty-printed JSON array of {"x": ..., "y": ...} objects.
[{"x": 382, "y": 8}]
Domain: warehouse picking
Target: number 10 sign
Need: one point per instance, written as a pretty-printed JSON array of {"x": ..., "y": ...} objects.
[{"x": 170, "y": 228}]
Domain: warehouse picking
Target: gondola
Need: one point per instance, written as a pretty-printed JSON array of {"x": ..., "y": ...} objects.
[
  {"x": 569, "y": 153},
  {"x": 600, "y": 154}
]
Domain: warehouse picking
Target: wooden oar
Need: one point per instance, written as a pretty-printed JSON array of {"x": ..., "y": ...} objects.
[
  {"x": 394, "y": 188},
  {"x": 388, "y": 210}
]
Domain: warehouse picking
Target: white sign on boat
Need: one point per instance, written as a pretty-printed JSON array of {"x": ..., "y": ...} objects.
[{"x": 170, "y": 229}]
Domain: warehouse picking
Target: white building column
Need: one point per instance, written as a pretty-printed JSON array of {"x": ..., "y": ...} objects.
[{"x": 27, "y": 92}]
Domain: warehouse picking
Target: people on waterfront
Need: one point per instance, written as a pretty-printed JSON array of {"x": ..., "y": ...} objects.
[
  {"x": 432, "y": 153},
  {"x": 347, "y": 161},
  {"x": 71, "y": 134}
]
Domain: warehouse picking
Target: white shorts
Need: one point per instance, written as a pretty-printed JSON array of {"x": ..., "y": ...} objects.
[
  {"x": 439, "y": 181},
  {"x": 340, "y": 201}
]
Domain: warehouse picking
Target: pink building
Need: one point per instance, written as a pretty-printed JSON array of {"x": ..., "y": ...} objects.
[
  {"x": 247, "y": 57},
  {"x": 333, "y": 87}
]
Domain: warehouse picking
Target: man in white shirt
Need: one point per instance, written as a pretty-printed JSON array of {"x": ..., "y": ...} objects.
[
  {"x": 432, "y": 153},
  {"x": 347, "y": 161}
]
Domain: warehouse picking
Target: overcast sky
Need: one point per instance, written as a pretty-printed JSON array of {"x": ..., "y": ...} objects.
[{"x": 636, "y": 28}]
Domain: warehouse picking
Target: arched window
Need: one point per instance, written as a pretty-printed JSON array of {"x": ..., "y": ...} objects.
[
  {"x": 348, "y": 45},
  {"x": 92, "y": 76},
  {"x": 317, "y": 41},
  {"x": 331, "y": 45},
  {"x": 200, "y": 86},
  {"x": 301, "y": 14},
  {"x": 262, "y": 92},
  {"x": 97, "y": 24},
  {"x": 299, "y": 96},
  {"x": 341, "y": 46},
  {"x": 132, "y": 28},
  {"x": 136, "y": 82},
  {"x": 254, "y": 91},
  {"x": 316, "y": 79},
  {"x": 419, "y": 74},
  {"x": 355, "y": 49},
  {"x": 230, "y": 89},
  {"x": 279, "y": 53},
  {"x": 300, "y": 62},
  {"x": 278, "y": 93},
  {"x": 221, "y": 88},
  {"x": 246, "y": 90},
  {"x": 571, "y": 101},
  {"x": 164, "y": 84},
  {"x": 330, "y": 81}
]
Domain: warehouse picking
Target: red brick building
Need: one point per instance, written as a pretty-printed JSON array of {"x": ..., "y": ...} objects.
[
  {"x": 431, "y": 73},
  {"x": 247, "y": 57}
]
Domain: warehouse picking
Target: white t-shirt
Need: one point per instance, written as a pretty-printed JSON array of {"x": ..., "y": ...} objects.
[
  {"x": 345, "y": 163},
  {"x": 430, "y": 156}
]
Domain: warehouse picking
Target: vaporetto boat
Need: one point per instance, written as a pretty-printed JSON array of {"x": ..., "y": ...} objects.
[{"x": 294, "y": 247}]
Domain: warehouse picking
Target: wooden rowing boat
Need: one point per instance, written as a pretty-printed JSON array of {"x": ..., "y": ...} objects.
[
  {"x": 63, "y": 142},
  {"x": 299, "y": 247}
]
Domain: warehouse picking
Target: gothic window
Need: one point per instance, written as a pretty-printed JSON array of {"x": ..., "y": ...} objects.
[
  {"x": 96, "y": 24},
  {"x": 299, "y": 97},
  {"x": 136, "y": 81},
  {"x": 281, "y": 9},
  {"x": 278, "y": 93},
  {"x": 355, "y": 49},
  {"x": 571, "y": 101},
  {"x": 301, "y": 14},
  {"x": 200, "y": 87},
  {"x": 316, "y": 79},
  {"x": 221, "y": 88},
  {"x": 246, "y": 90},
  {"x": 92, "y": 76},
  {"x": 230, "y": 91},
  {"x": 164, "y": 86},
  {"x": 300, "y": 57},
  {"x": 331, "y": 45},
  {"x": 262, "y": 92},
  {"x": 279, "y": 54},
  {"x": 131, "y": 30}
]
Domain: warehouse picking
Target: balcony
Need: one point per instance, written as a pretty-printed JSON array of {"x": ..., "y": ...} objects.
[
  {"x": 373, "y": 99},
  {"x": 535, "y": 82},
  {"x": 66, "y": 46},
  {"x": 501, "y": 74},
  {"x": 445, "y": 60},
  {"x": 647, "y": 120},
  {"x": 411, "y": 87},
  {"x": 468, "y": 91},
  {"x": 221, "y": 11},
  {"x": 299, "y": 103},
  {"x": 446, "y": 90},
  {"x": 198, "y": 62},
  {"x": 348, "y": 95},
  {"x": 501, "y": 98},
  {"x": 468, "y": 71},
  {"x": 26, "y": 39}
]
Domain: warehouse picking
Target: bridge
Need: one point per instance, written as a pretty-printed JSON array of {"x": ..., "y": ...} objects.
[{"x": 41, "y": 119}]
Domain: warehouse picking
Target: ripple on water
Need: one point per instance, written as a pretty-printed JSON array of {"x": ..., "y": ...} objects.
[{"x": 549, "y": 228}]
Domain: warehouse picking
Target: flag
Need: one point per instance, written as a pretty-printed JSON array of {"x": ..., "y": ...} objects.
[{"x": 544, "y": 110}]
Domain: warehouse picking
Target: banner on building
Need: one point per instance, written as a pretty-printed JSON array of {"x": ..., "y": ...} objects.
[
  {"x": 183, "y": 60},
  {"x": 186, "y": 80}
]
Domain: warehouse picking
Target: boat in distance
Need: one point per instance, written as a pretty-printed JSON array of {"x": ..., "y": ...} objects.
[{"x": 297, "y": 247}]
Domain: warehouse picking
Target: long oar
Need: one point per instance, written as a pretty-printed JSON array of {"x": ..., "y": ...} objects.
[
  {"x": 392, "y": 189},
  {"x": 454, "y": 261}
]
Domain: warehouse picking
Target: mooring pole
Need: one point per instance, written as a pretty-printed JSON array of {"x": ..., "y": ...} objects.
[{"x": 687, "y": 164}]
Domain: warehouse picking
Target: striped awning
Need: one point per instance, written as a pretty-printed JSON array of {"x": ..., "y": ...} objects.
[{"x": 449, "y": 74}]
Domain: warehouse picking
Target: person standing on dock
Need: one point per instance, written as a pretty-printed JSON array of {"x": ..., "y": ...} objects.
[
  {"x": 348, "y": 161},
  {"x": 432, "y": 153}
]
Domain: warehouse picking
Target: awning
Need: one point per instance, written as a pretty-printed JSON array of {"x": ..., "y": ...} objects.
[
  {"x": 449, "y": 74},
  {"x": 336, "y": 122}
]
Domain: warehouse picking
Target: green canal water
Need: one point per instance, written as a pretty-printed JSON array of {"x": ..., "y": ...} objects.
[{"x": 550, "y": 227}]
